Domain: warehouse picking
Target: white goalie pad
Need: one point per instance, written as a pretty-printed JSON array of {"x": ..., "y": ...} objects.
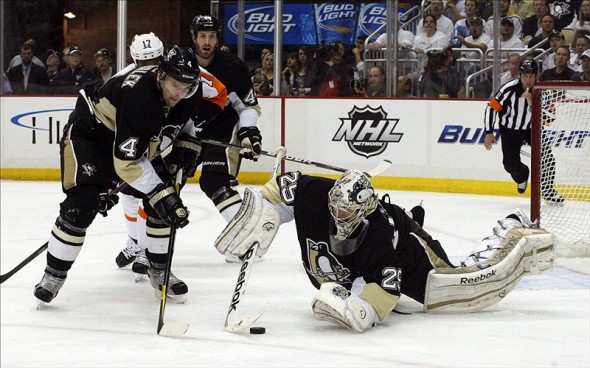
[
  {"x": 522, "y": 252},
  {"x": 256, "y": 221}
]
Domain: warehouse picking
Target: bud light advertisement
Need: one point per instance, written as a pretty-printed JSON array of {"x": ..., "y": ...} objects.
[{"x": 306, "y": 24}]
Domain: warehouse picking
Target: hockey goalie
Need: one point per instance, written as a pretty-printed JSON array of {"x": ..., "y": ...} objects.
[{"x": 363, "y": 253}]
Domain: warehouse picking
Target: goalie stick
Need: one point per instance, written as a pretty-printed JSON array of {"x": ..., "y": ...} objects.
[
  {"x": 41, "y": 249},
  {"x": 378, "y": 170},
  {"x": 175, "y": 328},
  {"x": 233, "y": 322}
]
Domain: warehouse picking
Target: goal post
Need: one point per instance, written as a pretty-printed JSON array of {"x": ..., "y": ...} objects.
[{"x": 560, "y": 164}]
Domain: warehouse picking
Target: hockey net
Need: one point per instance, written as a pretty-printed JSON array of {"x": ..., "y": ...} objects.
[{"x": 560, "y": 164}]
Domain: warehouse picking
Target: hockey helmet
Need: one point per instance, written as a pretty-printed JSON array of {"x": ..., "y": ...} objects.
[
  {"x": 351, "y": 200},
  {"x": 205, "y": 23},
  {"x": 528, "y": 66},
  {"x": 181, "y": 64},
  {"x": 145, "y": 47}
]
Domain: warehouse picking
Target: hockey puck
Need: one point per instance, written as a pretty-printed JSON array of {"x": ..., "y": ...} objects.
[{"x": 257, "y": 330}]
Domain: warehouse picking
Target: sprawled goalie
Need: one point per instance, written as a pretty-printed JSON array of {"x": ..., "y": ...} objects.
[{"x": 362, "y": 253}]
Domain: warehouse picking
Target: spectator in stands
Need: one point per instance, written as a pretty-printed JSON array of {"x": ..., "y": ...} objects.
[
  {"x": 431, "y": 38},
  {"x": 531, "y": 26},
  {"x": 405, "y": 43},
  {"x": 454, "y": 10},
  {"x": 268, "y": 67},
  {"x": 584, "y": 75},
  {"x": 561, "y": 70},
  {"x": 441, "y": 79},
  {"x": 225, "y": 47},
  {"x": 54, "y": 64},
  {"x": 261, "y": 85},
  {"x": 404, "y": 87},
  {"x": 375, "y": 83},
  {"x": 5, "y": 88},
  {"x": 288, "y": 74},
  {"x": 556, "y": 39},
  {"x": 508, "y": 40},
  {"x": 17, "y": 60},
  {"x": 477, "y": 40},
  {"x": 564, "y": 11},
  {"x": 547, "y": 29},
  {"x": 27, "y": 77},
  {"x": 505, "y": 13},
  {"x": 462, "y": 25},
  {"x": 71, "y": 79},
  {"x": 582, "y": 20},
  {"x": 263, "y": 52},
  {"x": 327, "y": 78},
  {"x": 359, "y": 54},
  {"x": 303, "y": 76},
  {"x": 513, "y": 71},
  {"x": 66, "y": 56},
  {"x": 443, "y": 24},
  {"x": 103, "y": 61},
  {"x": 522, "y": 8},
  {"x": 581, "y": 44}
]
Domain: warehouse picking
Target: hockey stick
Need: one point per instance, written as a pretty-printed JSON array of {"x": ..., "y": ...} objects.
[
  {"x": 34, "y": 255},
  {"x": 379, "y": 169},
  {"x": 175, "y": 328},
  {"x": 233, "y": 322}
]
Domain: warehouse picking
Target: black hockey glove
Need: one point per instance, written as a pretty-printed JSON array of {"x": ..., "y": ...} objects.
[
  {"x": 106, "y": 202},
  {"x": 251, "y": 141},
  {"x": 184, "y": 155},
  {"x": 168, "y": 205}
]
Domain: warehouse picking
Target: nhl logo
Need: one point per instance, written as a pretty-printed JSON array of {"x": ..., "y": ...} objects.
[{"x": 367, "y": 131}]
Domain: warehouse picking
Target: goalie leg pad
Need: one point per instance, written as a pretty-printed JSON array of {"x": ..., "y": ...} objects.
[
  {"x": 335, "y": 304},
  {"x": 522, "y": 252},
  {"x": 259, "y": 222}
]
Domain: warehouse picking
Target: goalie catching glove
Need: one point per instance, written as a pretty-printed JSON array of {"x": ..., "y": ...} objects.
[
  {"x": 251, "y": 142},
  {"x": 168, "y": 205},
  {"x": 257, "y": 220}
]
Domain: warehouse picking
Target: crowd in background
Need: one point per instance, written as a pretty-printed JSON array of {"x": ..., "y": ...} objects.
[{"x": 433, "y": 66}]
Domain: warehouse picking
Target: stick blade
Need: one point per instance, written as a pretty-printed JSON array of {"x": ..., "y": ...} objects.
[
  {"x": 382, "y": 167},
  {"x": 243, "y": 323},
  {"x": 174, "y": 328}
]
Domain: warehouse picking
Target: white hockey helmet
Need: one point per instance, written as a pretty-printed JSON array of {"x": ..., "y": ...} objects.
[
  {"x": 145, "y": 47},
  {"x": 351, "y": 200}
]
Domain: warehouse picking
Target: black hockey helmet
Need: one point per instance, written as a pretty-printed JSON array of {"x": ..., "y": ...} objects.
[
  {"x": 181, "y": 64},
  {"x": 205, "y": 23},
  {"x": 528, "y": 66}
]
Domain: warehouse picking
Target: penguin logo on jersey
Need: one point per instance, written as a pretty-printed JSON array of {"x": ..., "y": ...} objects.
[
  {"x": 88, "y": 169},
  {"x": 323, "y": 265}
]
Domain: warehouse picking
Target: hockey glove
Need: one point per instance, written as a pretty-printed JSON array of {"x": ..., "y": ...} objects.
[
  {"x": 184, "y": 154},
  {"x": 106, "y": 202},
  {"x": 168, "y": 205},
  {"x": 251, "y": 141}
]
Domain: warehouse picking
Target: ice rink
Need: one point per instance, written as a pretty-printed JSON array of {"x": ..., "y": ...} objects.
[{"x": 102, "y": 318}]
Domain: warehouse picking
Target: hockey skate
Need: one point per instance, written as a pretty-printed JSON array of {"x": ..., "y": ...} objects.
[
  {"x": 552, "y": 197},
  {"x": 521, "y": 187},
  {"x": 140, "y": 265},
  {"x": 46, "y": 290},
  {"x": 177, "y": 289},
  {"x": 127, "y": 255}
]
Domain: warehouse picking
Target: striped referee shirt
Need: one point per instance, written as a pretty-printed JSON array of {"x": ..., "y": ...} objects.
[{"x": 512, "y": 109}]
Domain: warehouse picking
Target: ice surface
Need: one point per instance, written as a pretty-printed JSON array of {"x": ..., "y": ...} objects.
[{"x": 102, "y": 318}]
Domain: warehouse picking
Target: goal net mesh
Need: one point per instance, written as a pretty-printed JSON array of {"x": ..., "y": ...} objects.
[{"x": 560, "y": 172}]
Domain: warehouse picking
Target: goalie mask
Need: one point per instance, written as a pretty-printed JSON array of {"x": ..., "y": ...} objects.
[{"x": 351, "y": 200}]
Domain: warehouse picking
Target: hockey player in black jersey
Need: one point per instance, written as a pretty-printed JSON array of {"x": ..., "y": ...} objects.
[
  {"x": 363, "y": 253},
  {"x": 236, "y": 124},
  {"x": 110, "y": 137}
]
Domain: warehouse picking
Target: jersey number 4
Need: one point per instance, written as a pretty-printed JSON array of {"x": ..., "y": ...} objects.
[{"x": 129, "y": 147}]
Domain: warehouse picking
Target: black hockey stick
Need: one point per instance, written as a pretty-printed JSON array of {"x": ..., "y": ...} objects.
[
  {"x": 379, "y": 169},
  {"x": 175, "y": 328},
  {"x": 34, "y": 255},
  {"x": 233, "y": 322}
]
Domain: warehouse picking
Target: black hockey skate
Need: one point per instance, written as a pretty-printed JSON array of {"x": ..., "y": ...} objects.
[{"x": 46, "y": 290}]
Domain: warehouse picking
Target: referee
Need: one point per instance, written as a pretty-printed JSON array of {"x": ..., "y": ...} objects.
[{"x": 512, "y": 104}]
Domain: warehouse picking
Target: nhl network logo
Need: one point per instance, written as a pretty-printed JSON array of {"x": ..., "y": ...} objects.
[{"x": 367, "y": 131}]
